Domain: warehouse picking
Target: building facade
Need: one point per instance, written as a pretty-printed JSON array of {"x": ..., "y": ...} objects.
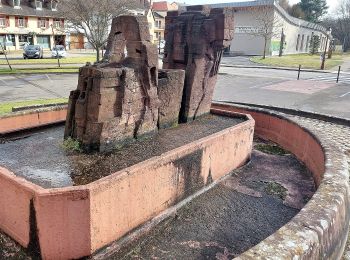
[
  {"x": 160, "y": 10},
  {"x": 250, "y": 18},
  {"x": 25, "y": 22}
]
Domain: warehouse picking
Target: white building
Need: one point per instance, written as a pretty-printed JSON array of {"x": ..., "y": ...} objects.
[
  {"x": 30, "y": 22},
  {"x": 247, "y": 19}
]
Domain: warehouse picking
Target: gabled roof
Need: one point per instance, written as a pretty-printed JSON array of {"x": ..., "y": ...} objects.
[
  {"x": 160, "y": 6},
  {"x": 158, "y": 15},
  {"x": 27, "y": 9}
]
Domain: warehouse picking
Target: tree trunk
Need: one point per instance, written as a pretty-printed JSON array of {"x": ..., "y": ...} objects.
[
  {"x": 97, "y": 54},
  {"x": 265, "y": 43}
]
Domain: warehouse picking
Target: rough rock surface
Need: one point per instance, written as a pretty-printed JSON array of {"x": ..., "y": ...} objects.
[
  {"x": 117, "y": 100},
  {"x": 122, "y": 98},
  {"x": 195, "y": 41},
  {"x": 170, "y": 89}
]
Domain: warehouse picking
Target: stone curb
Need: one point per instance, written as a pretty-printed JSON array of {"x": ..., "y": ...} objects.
[
  {"x": 275, "y": 68},
  {"x": 295, "y": 112},
  {"x": 320, "y": 230}
]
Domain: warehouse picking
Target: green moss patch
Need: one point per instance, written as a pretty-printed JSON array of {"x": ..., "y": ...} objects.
[
  {"x": 276, "y": 189},
  {"x": 271, "y": 149}
]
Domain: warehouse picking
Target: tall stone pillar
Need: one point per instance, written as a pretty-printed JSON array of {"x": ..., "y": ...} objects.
[{"x": 195, "y": 41}]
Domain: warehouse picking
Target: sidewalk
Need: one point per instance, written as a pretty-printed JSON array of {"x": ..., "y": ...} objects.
[
  {"x": 346, "y": 65},
  {"x": 40, "y": 66}
]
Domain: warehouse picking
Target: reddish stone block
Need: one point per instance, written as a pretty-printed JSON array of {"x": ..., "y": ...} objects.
[
  {"x": 170, "y": 89},
  {"x": 195, "y": 41},
  {"x": 117, "y": 99}
]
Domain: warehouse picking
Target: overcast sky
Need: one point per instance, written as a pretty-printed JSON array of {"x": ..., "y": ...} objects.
[{"x": 332, "y": 3}]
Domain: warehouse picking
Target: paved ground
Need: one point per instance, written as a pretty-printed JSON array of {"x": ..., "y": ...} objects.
[
  {"x": 238, "y": 60},
  {"x": 29, "y": 87},
  {"x": 315, "y": 92}
]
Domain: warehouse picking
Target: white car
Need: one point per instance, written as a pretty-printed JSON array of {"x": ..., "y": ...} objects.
[{"x": 58, "y": 50}]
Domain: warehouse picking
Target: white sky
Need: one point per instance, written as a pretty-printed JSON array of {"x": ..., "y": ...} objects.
[{"x": 332, "y": 3}]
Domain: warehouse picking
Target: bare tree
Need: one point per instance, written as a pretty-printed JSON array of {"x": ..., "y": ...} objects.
[
  {"x": 340, "y": 24},
  {"x": 94, "y": 18},
  {"x": 343, "y": 24},
  {"x": 269, "y": 25}
]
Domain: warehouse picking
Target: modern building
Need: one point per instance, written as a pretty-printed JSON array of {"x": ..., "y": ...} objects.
[
  {"x": 252, "y": 18},
  {"x": 30, "y": 22}
]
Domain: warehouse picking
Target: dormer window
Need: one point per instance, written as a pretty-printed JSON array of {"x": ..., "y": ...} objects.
[
  {"x": 38, "y": 5},
  {"x": 17, "y": 4},
  {"x": 53, "y": 5}
]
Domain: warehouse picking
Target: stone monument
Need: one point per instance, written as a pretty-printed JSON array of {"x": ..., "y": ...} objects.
[
  {"x": 126, "y": 96},
  {"x": 195, "y": 41}
]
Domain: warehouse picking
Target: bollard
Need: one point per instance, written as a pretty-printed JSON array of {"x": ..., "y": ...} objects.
[
  {"x": 338, "y": 74},
  {"x": 299, "y": 72}
]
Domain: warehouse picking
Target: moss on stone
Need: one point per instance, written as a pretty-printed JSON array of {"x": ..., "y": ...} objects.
[
  {"x": 72, "y": 145},
  {"x": 271, "y": 149},
  {"x": 276, "y": 189}
]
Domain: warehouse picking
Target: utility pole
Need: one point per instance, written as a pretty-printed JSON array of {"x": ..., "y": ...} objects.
[
  {"x": 54, "y": 41},
  {"x": 329, "y": 31},
  {"x": 4, "y": 51},
  {"x": 281, "y": 44}
]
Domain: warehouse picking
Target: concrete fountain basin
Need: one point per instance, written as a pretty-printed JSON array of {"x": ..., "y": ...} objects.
[{"x": 73, "y": 222}]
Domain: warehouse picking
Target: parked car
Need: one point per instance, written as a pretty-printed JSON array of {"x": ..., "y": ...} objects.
[
  {"x": 58, "y": 50},
  {"x": 33, "y": 52}
]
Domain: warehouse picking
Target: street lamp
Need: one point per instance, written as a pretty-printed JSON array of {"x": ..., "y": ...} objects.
[{"x": 329, "y": 31}]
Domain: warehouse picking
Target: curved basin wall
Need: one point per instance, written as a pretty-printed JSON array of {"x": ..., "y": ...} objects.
[
  {"x": 320, "y": 230},
  {"x": 75, "y": 222}
]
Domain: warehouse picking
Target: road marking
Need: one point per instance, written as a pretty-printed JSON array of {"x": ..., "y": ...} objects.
[
  {"x": 40, "y": 87},
  {"x": 345, "y": 94},
  {"x": 3, "y": 81},
  {"x": 268, "y": 84}
]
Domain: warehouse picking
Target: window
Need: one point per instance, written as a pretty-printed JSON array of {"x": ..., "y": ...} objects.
[
  {"x": 10, "y": 40},
  {"x": 158, "y": 24},
  {"x": 302, "y": 43},
  {"x": 54, "y": 5},
  {"x": 39, "y": 5},
  {"x": 44, "y": 41},
  {"x": 2, "y": 21},
  {"x": 298, "y": 41},
  {"x": 21, "y": 22},
  {"x": 41, "y": 22},
  {"x": 57, "y": 23},
  {"x": 16, "y": 3}
]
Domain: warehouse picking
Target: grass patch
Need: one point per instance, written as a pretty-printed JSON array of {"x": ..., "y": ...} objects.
[
  {"x": 68, "y": 60},
  {"x": 6, "y": 108},
  {"x": 40, "y": 70},
  {"x": 307, "y": 61},
  {"x": 276, "y": 189},
  {"x": 271, "y": 149},
  {"x": 71, "y": 145}
]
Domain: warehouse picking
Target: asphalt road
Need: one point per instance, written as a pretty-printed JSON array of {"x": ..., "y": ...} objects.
[{"x": 315, "y": 92}]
